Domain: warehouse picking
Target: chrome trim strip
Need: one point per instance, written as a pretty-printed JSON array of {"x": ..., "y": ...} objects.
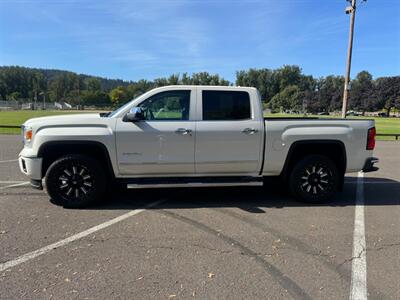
[
  {"x": 193, "y": 184},
  {"x": 188, "y": 163}
]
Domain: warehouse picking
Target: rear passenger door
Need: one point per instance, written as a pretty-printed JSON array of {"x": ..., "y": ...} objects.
[{"x": 228, "y": 133}]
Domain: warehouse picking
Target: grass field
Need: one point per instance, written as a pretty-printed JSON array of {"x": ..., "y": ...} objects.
[{"x": 16, "y": 118}]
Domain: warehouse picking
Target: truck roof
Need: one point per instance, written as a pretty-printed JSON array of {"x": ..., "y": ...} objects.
[{"x": 217, "y": 87}]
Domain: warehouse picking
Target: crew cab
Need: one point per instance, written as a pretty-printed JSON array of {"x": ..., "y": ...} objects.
[{"x": 192, "y": 136}]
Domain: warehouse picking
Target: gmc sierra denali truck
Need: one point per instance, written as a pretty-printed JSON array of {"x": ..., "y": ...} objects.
[{"x": 192, "y": 136}]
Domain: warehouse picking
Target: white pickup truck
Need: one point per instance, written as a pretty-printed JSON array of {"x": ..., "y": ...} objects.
[{"x": 192, "y": 136}]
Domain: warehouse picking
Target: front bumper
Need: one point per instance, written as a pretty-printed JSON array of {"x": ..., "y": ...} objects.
[
  {"x": 36, "y": 184},
  {"x": 369, "y": 164},
  {"x": 31, "y": 167}
]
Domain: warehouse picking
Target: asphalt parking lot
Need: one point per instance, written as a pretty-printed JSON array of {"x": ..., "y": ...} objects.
[{"x": 226, "y": 243}]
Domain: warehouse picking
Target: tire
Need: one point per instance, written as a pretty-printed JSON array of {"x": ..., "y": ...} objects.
[
  {"x": 315, "y": 179},
  {"x": 75, "y": 181}
]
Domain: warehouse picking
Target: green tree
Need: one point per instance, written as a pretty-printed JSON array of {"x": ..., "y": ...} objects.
[
  {"x": 59, "y": 87},
  {"x": 290, "y": 99},
  {"x": 119, "y": 96},
  {"x": 93, "y": 84},
  {"x": 138, "y": 88},
  {"x": 271, "y": 82},
  {"x": 173, "y": 79},
  {"x": 204, "y": 78},
  {"x": 3, "y": 89},
  {"x": 186, "y": 79},
  {"x": 288, "y": 76},
  {"x": 14, "y": 96},
  {"x": 388, "y": 93},
  {"x": 159, "y": 82},
  {"x": 362, "y": 96},
  {"x": 262, "y": 79},
  {"x": 327, "y": 95},
  {"x": 38, "y": 83},
  {"x": 96, "y": 98}
]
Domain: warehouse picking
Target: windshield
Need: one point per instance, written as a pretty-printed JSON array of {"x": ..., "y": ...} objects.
[{"x": 119, "y": 109}]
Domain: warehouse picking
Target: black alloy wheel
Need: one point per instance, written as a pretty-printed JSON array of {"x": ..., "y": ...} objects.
[
  {"x": 75, "y": 181},
  {"x": 314, "y": 179}
]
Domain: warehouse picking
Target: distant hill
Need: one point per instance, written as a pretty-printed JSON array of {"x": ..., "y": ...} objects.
[{"x": 50, "y": 74}]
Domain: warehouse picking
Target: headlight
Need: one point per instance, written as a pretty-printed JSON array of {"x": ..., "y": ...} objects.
[{"x": 27, "y": 134}]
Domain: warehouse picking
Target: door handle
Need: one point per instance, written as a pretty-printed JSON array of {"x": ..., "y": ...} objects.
[
  {"x": 249, "y": 130},
  {"x": 184, "y": 131}
]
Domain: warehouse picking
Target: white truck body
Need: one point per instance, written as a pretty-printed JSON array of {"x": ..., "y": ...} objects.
[{"x": 189, "y": 146}]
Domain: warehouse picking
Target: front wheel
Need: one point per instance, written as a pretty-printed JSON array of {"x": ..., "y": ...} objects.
[
  {"x": 314, "y": 179},
  {"x": 75, "y": 181}
]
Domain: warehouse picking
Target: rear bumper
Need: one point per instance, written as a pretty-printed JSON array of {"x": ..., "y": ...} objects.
[
  {"x": 31, "y": 167},
  {"x": 369, "y": 164}
]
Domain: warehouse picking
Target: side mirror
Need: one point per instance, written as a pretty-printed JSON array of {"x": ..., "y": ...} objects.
[{"x": 134, "y": 115}]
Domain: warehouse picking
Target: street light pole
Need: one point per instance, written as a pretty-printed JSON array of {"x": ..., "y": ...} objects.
[{"x": 352, "y": 10}]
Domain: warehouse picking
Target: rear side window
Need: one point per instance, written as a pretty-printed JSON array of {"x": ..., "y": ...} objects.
[{"x": 226, "y": 105}]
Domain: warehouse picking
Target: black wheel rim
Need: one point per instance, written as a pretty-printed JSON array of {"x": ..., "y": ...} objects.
[
  {"x": 316, "y": 180},
  {"x": 75, "y": 182}
]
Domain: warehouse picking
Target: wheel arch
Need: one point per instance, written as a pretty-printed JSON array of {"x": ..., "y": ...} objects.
[
  {"x": 52, "y": 150},
  {"x": 333, "y": 149}
]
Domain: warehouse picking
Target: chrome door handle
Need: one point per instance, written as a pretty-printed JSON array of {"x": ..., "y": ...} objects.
[
  {"x": 184, "y": 131},
  {"x": 249, "y": 130}
]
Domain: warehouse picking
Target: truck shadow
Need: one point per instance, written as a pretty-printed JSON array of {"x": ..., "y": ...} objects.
[{"x": 377, "y": 191}]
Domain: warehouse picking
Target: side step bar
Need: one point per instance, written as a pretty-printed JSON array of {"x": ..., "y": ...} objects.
[{"x": 151, "y": 184}]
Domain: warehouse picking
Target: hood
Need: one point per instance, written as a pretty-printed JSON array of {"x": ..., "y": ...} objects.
[{"x": 73, "y": 119}]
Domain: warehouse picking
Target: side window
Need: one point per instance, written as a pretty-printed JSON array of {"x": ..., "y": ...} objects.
[
  {"x": 170, "y": 105},
  {"x": 226, "y": 105}
]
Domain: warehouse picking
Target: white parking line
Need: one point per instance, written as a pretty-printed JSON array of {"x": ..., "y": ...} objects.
[
  {"x": 7, "y": 161},
  {"x": 14, "y": 185},
  {"x": 358, "y": 287},
  {"x": 36, "y": 253}
]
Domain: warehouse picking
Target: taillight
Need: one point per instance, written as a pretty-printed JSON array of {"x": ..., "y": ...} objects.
[{"x": 371, "y": 138}]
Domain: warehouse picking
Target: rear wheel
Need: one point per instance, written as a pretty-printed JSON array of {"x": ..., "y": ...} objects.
[
  {"x": 314, "y": 179},
  {"x": 75, "y": 181}
]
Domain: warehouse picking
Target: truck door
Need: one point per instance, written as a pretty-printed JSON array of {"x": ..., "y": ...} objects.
[
  {"x": 229, "y": 133},
  {"x": 163, "y": 143}
]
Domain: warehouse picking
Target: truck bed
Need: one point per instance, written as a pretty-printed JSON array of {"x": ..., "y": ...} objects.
[{"x": 283, "y": 133}]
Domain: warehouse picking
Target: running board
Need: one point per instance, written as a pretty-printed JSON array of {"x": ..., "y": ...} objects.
[{"x": 195, "y": 183}]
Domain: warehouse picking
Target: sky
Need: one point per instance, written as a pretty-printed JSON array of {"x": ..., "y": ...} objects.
[{"x": 132, "y": 40}]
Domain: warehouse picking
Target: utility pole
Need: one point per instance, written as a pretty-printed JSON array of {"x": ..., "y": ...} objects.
[{"x": 352, "y": 11}]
